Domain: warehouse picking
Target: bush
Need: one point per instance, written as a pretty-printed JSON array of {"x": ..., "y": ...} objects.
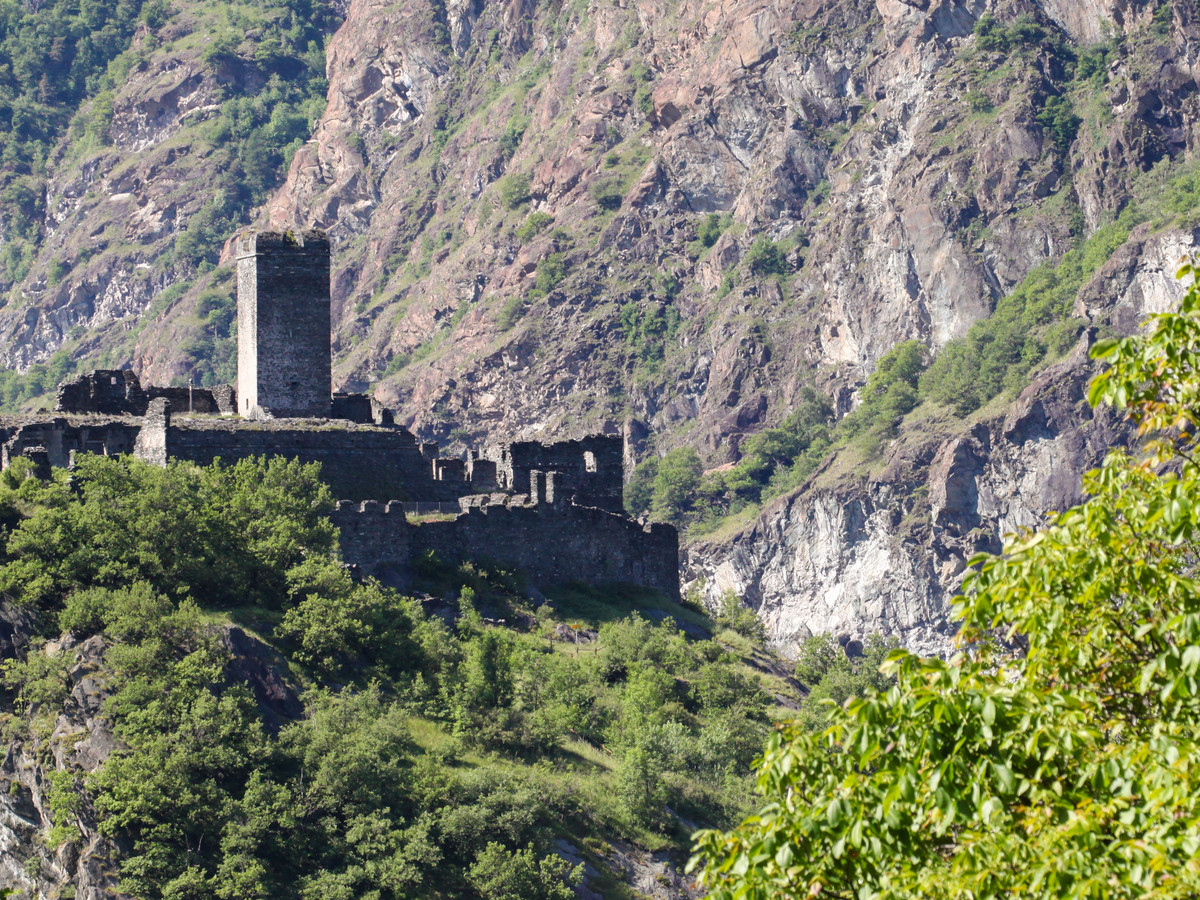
[
  {"x": 550, "y": 272},
  {"x": 733, "y": 614},
  {"x": 608, "y": 194},
  {"x": 511, "y": 312},
  {"x": 766, "y": 258},
  {"x": 514, "y": 191},
  {"x": 502, "y": 874},
  {"x": 514, "y": 131},
  {"x": 711, "y": 228},
  {"x": 1059, "y": 122},
  {"x": 978, "y": 102},
  {"x": 675, "y": 484},
  {"x": 535, "y": 224},
  {"x": 890, "y": 392}
]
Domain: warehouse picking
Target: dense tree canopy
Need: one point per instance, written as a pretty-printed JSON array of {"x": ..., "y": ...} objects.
[
  {"x": 1054, "y": 755},
  {"x": 435, "y": 756}
]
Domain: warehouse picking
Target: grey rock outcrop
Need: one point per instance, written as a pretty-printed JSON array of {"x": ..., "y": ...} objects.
[
  {"x": 77, "y": 741},
  {"x": 852, "y": 553}
]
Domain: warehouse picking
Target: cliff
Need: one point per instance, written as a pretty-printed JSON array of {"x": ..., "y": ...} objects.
[{"x": 853, "y": 551}]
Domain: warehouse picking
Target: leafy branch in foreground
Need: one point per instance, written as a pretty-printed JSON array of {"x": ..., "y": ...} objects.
[{"x": 1066, "y": 770}]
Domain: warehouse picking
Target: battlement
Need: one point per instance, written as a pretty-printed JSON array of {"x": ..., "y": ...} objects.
[{"x": 549, "y": 539}]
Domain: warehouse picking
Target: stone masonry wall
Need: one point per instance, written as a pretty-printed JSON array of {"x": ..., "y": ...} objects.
[
  {"x": 60, "y": 437},
  {"x": 550, "y": 542},
  {"x": 591, "y": 470},
  {"x": 358, "y": 463},
  {"x": 118, "y": 392},
  {"x": 284, "y": 363}
]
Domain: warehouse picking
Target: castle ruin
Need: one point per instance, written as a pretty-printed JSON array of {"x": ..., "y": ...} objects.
[{"x": 553, "y": 511}]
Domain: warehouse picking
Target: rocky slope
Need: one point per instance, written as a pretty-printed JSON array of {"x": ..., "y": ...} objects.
[
  {"x": 41, "y": 782},
  {"x": 852, "y": 553},
  {"x": 550, "y": 219}
]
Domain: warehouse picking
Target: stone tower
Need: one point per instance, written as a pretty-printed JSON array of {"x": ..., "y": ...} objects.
[{"x": 283, "y": 324}]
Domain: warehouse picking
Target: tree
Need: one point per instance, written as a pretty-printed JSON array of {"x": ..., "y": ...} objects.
[
  {"x": 1063, "y": 769},
  {"x": 675, "y": 485}
]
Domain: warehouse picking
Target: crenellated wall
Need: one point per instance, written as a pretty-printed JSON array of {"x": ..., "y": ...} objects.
[{"x": 549, "y": 539}]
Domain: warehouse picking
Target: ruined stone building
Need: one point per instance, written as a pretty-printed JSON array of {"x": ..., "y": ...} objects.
[{"x": 555, "y": 511}]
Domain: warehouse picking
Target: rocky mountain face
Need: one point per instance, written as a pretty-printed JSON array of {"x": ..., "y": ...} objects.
[
  {"x": 856, "y": 552},
  {"x": 553, "y": 218}
]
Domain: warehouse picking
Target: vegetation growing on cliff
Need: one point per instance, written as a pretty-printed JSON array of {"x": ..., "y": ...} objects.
[
  {"x": 429, "y": 755},
  {"x": 1063, "y": 766}
]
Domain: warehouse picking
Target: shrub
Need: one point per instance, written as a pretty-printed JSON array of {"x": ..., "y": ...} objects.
[
  {"x": 514, "y": 191},
  {"x": 733, "y": 614},
  {"x": 511, "y": 312},
  {"x": 978, "y": 102},
  {"x": 536, "y": 223},
  {"x": 514, "y": 131},
  {"x": 766, "y": 258},
  {"x": 550, "y": 272},
  {"x": 711, "y": 228},
  {"x": 608, "y": 194},
  {"x": 1059, "y": 122}
]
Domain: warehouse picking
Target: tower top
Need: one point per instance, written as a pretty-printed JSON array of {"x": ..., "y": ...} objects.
[{"x": 310, "y": 241}]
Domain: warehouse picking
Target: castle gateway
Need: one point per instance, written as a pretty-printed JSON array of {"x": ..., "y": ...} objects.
[{"x": 554, "y": 511}]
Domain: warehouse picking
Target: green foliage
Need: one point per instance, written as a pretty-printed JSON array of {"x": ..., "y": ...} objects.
[
  {"x": 774, "y": 460},
  {"x": 41, "y": 378},
  {"x": 1059, "y": 122},
  {"x": 669, "y": 284},
  {"x": 710, "y": 228},
  {"x": 766, "y": 258},
  {"x": 890, "y": 393},
  {"x": 675, "y": 482},
  {"x": 609, "y": 193},
  {"x": 1023, "y": 36},
  {"x": 998, "y": 353},
  {"x": 535, "y": 224},
  {"x": 832, "y": 676},
  {"x": 430, "y": 761},
  {"x": 514, "y": 130},
  {"x": 502, "y": 874},
  {"x": 550, "y": 272},
  {"x": 648, "y": 328},
  {"x": 514, "y": 191},
  {"x": 228, "y": 534},
  {"x": 643, "y": 98},
  {"x": 742, "y": 619},
  {"x": 1089, "y": 792},
  {"x": 978, "y": 102},
  {"x": 514, "y": 307},
  {"x": 54, "y": 54}
]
